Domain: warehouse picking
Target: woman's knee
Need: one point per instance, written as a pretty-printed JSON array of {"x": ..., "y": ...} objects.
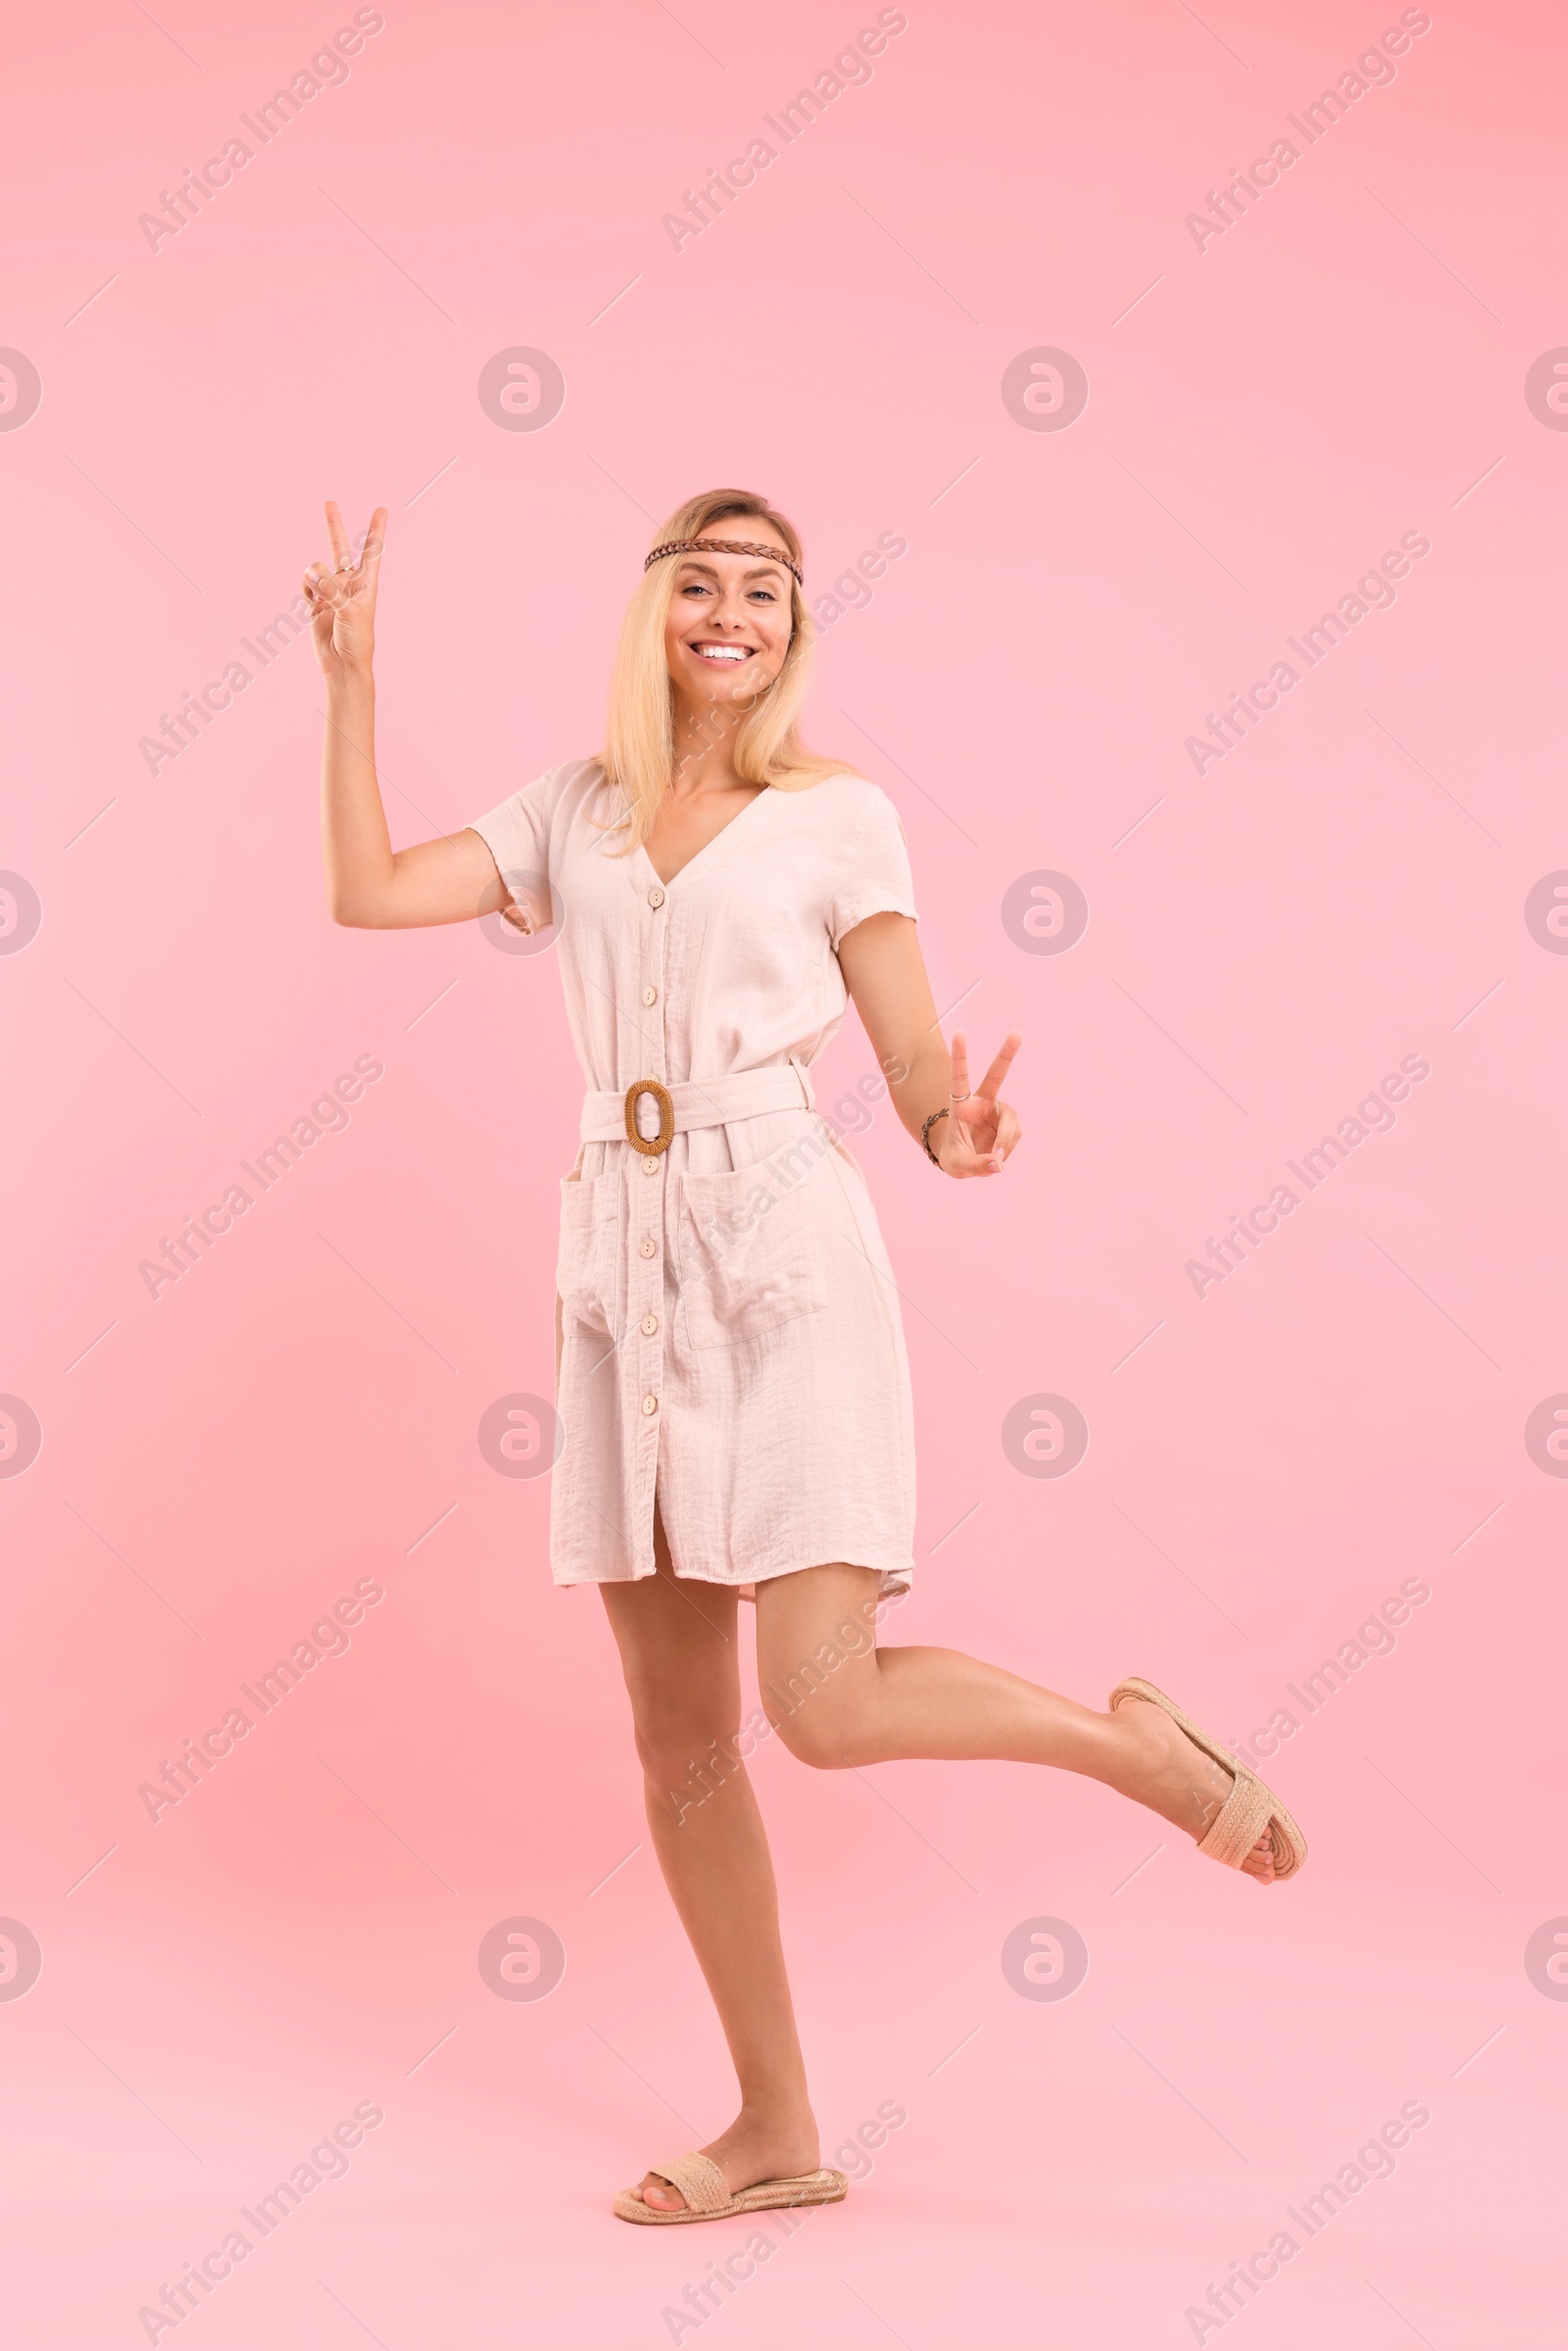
[
  {"x": 823, "y": 1707},
  {"x": 821, "y": 1727},
  {"x": 681, "y": 1703},
  {"x": 675, "y": 1740}
]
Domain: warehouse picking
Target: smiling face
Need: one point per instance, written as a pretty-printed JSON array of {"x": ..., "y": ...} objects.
[{"x": 729, "y": 624}]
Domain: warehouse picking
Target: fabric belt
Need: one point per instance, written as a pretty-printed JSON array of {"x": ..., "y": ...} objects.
[{"x": 699, "y": 1102}]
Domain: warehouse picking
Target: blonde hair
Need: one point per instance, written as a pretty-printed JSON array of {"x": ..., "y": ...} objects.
[{"x": 639, "y": 754}]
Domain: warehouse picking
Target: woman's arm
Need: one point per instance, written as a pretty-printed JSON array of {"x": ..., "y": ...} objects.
[
  {"x": 886, "y": 976},
  {"x": 369, "y": 885}
]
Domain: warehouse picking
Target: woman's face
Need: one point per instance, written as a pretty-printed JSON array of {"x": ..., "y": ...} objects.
[{"x": 729, "y": 628}]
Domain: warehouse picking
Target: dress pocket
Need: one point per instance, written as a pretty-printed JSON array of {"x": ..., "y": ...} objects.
[
  {"x": 587, "y": 1261},
  {"x": 751, "y": 1256}
]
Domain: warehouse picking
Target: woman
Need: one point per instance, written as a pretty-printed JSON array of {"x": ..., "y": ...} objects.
[{"x": 730, "y": 1361}]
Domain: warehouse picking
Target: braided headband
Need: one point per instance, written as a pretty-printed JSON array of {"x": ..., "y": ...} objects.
[{"x": 727, "y": 547}]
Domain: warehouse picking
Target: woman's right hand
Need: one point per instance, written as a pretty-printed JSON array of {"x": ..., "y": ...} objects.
[
  {"x": 453, "y": 880},
  {"x": 342, "y": 599}
]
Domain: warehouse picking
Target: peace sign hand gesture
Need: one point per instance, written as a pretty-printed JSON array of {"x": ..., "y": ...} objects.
[
  {"x": 342, "y": 600},
  {"x": 980, "y": 1129}
]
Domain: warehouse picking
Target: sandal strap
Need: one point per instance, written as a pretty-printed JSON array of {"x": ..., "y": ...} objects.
[
  {"x": 1239, "y": 1822},
  {"x": 700, "y": 2180}
]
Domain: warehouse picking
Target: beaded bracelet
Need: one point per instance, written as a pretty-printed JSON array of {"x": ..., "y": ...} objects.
[{"x": 925, "y": 1135}]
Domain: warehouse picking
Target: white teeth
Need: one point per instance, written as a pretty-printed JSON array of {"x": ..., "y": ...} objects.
[{"x": 721, "y": 653}]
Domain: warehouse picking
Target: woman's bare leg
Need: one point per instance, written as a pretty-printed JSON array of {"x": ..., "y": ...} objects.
[
  {"x": 877, "y": 1705},
  {"x": 678, "y": 1650}
]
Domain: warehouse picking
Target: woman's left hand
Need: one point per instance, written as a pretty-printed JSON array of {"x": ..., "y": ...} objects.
[{"x": 980, "y": 1129}]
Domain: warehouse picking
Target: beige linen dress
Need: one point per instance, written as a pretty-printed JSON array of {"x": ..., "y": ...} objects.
[{"x": 727, "y": 1322}]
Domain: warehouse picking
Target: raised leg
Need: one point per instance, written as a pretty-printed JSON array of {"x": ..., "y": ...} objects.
[{"x": 836, "y": 1699}]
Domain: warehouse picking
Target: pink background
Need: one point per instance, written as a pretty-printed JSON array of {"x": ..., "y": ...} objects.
[{"x": 1345, "y": 1411}]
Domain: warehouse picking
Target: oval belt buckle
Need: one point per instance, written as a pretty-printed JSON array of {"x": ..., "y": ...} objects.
[{"x": 666, "y": 1118}]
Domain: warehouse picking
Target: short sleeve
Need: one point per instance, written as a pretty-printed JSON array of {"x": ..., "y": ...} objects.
[
  {"x": 518, "y": 835},
  {"x": 875, "y": 877}
]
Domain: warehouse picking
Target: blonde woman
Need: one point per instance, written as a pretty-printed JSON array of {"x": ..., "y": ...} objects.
[{"x": 730, "y": 1363}]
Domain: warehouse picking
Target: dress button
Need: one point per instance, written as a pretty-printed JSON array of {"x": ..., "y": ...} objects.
[
  {"x": 650, "y": 1325},
  {"x": 655, "y": 898},
  {"x": 650, "y": 1166},
  {"x": 650, "y": 996},
  {"x": 648, "y": 1247},
  {"x": 650, "y": 1403}
]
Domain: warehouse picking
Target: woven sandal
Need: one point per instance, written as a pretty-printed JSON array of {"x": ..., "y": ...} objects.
[
  {"x": 702, "y": 2183},
  {"x": 1246, "y": 1811}
]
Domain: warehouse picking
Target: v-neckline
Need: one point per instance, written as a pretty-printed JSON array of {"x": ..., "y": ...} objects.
[{"x": 727, "y": 826}]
